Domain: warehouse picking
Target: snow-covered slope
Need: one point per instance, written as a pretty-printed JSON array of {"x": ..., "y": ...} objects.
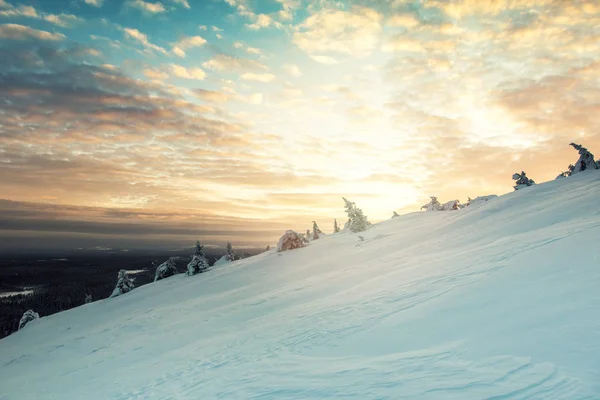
[{"x": 497, "y": 301}]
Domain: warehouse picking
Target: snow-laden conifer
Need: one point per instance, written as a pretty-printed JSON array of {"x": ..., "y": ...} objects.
[
  {"x": 124, "y": 284},
  {"x": 230, "y": 254},
  {"x": 336, "y": 227},
  {"x": 27, "y": 317},
  {"x": 522, "y": 181},
  {"x": 433, "y": 205},
  {"x": 316, "y": 231},
  {"x": 395, "y": 215},
  {"x": 585, "y": 161},
  {"x": 199, "y": 263},
  {"x": 165, "y": 270},
  {"x": 290, "y": 240},
  {"x": 357, "y": 221}
]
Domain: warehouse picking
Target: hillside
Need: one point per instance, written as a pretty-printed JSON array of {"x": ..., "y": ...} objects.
[{"x": 499, "y": 301}]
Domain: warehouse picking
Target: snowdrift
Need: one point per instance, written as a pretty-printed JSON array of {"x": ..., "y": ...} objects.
[{"x": 496, "y": 301}]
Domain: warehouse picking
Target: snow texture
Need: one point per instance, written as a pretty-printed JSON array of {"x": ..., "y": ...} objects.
[
  {"x": 27, "y": 317},
  {"x": 480, "y": 199},
  {"x": 498, "y": 301}
]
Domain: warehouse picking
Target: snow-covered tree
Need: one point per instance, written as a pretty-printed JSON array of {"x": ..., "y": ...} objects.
[
  {"x": 336, "y": 228},
  {"x": 165, "y": 270},
  {"x": 267, "y": 248},
  {"x": 199, "y": 263},
  {"x": 357, "y": 221},
  {"x": 88, "y": 298},
  {"x": 585, "y": 161},
  {"x": 27, "y": 317},
  {"x": 433, "y": 205},
  {"x": 316, "y": 231},
  {"x": 395, "y": 215},
  {"x": 230, "y": 254},
  {"x": 124, "y": 284},
  {"x": 451, "y": 205},
  {"x": 245, "y": 255},
  {"x": 521, "y": 180},
  {"x": 289, "y": 241}
]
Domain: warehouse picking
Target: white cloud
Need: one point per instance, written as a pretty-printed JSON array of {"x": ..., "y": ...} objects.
[
  {"x": 260, "y": 21},
  {"x": 187, "y": 73},
  {"x": 292, "y": 69},
  {"x": 183, "y": 3},
  {"x": 155, "y": 74},
  {"x": 250, "y": 76},
  {"x": 186, "y": 43},
  {"x": 223, "y": 62},
  {"x": 325, "y": 60},
  {"x": 202, "y": 27},
  {"x": 63, "y": 20},
  {"x": 152, "y": 8},
  {"x": 94, "y": 3},
  {"x": 403, "y": 20},
  {"x": 356, "y": 32},
  {"x": 21, "y": 32},
  {"x": 143, "y": 39},
  {"x": 253, "y": 50},
  {"x": 216, "y": 29}
]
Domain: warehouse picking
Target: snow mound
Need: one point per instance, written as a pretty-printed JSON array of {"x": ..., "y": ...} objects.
[{"x": 496, "y": 301}]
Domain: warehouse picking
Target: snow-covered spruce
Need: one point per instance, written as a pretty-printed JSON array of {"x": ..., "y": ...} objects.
[
  {"x": 585, "y": 161},
  {"x": 395, "y": 215},
  {"x": 198, "y": 263},
  {"x": 357, "y": 221},
  {"x": 124, "y": 284},
  {"x": 336, "y": 227},
  {"x": 522, "y": 181},
  {"x": 230, "y": 254},
  {"x": 290, "y": 240},
  {"x": 316, "y": 231},
  {"x": 451, "y": 206},
  {"x": 433, "y": 205},
  {"x": 27, "y": 317},
  {"x": 267, "y": 248},
  {"x": 165, "y": 270}
]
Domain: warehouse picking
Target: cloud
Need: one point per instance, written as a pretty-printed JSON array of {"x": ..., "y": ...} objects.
[
  {"x": 62, "y": 20},
  {"x": 292, "y": 69},
  {"x": 187, "y": 73},
  {"x": 224, "y": 62},
  {"x": 261, "y": 21},
  {"x": 186, "y": 43},
  {"x": 327, "y": 60},
  {"x": 212, "y": 96},
  {"x": 94, "y": 3},
  {"x": 155, "y": 74},
  {"x": 22, "y": 32},
  {"x": 403, "y": 20},
  {"x": 143, "y": 39},
  {"x": 148, "y": 7},
  {"x": 250, "y": 76},
  {"x": 183, "y": 3},
  {"x": 355, "y": 32}
]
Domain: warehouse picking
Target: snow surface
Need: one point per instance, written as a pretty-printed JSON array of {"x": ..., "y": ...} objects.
[{"x": 499, "y": 301}]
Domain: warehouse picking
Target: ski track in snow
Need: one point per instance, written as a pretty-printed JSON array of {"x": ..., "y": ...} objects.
[{"x": 497, "y": 301}]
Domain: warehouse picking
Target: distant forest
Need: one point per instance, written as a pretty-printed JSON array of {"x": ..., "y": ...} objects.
[{"x": 59, "y": 284}]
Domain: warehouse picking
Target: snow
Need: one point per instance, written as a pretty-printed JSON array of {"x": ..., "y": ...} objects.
[
  {"x": 496, "y": 301},
  {"x": 22, "y": 293}
]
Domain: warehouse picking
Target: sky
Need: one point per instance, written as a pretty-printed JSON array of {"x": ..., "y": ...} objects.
[{"x": 133, "y": 124}]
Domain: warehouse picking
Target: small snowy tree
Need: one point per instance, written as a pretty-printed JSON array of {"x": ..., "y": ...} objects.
[
  {"x": 521, "y": 180},
  {"x": 124, "y": 284},
  {"x": 585, "y": 161},
  {"x": 433, "y": 205},
  {"x": 395, "y": 215},
  {"x": 336, "y": 228},
  {"x": 289, "y": 241},
  {"x": 451, "y": 205},
  {"x": 230, "y": 254},
  {"x": 27, "y": 317},
  {"x": 165, "y": 270},
  {"x": 316, "y": 232},
  {"x": 199, "y": 263},
  {"x": 267, "y": 248},
  {"x": 357, "y": 221},
  {"x": 245, "y": 255},
  {"x": 88, "y": 298}
]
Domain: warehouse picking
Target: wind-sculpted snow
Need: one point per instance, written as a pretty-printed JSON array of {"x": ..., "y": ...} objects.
[{"x": 498, "y": 301}]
